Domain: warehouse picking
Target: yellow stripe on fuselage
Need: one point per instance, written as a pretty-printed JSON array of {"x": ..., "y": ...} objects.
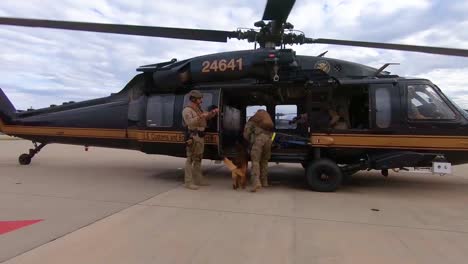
[
  {"x": 65, "y": 131},
  {"x": 389, "y": 141},
  {"x": 426, "y": 142},
  {"x": 103, "y": 133}
]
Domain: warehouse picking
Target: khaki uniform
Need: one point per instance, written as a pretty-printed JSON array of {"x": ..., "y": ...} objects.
[
  {"x": 195, "y": 147},
  {"x": 260, "y": 153}
]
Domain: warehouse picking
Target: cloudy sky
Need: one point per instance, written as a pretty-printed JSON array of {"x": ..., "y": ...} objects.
[{"x": 39, "y": 67}]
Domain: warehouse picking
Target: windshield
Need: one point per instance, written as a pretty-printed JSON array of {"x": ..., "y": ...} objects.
[
  {"x": 425, "y": 103},
  {"x": 459, "y": 108}
]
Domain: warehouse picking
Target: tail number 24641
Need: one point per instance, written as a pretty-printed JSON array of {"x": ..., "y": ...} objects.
[{"x": 222, "y": 65}]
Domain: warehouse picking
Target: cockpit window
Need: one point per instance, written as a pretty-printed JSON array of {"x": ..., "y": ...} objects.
[{"x": 425, "y": 103}]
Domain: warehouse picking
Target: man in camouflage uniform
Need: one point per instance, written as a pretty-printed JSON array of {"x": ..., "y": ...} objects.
[
  {"x": 195, "y": 121},
  {"x": 258, "y": 131}
]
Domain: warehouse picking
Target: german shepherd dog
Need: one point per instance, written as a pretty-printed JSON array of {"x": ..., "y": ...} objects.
[{"x": 238, "y": 166}]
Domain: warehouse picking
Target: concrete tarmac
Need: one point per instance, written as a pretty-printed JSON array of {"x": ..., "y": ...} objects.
[{"x": 119, "y": 206}]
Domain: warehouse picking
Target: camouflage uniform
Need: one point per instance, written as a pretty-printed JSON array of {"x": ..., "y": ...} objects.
[
  {"x": 260, "y": 153},
  {"x": 196, "y": 125}
]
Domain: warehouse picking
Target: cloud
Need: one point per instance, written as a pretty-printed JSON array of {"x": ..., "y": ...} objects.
[
  {"x": 60, "y": 65},
  {"x": 460, "y": 7},
  {"x": 452, "y": 82}
]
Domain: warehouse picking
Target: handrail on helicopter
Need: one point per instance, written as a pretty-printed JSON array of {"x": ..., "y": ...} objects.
[{"x": 156, "y": 66}]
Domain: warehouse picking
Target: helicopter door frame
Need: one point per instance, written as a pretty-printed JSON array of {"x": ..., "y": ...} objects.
[
  {"x": 219, "y": 119},
  {"x": 218, "y": 122},
  {"x": 230, "y": 122}
]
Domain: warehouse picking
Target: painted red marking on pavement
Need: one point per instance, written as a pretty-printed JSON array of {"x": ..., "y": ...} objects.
[{"x": 8, "y": 226}]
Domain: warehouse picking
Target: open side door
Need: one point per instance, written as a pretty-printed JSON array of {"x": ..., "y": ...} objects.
[{"x": 230, "y": 128}]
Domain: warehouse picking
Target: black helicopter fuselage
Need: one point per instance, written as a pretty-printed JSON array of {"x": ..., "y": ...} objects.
[
  {"x": 333, "y": 116},
  {"x": 382, "y": 131}
]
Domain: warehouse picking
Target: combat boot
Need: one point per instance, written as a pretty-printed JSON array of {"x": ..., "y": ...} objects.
[
  {"x": 264, "y": 180},
  {"x": 255, "y": 188},
  {"x": 202, "y": 182},
  {"x": 200, "y": 179},
  {"x": 255, "y": 183},
  {"x": 191, "y": 186}
]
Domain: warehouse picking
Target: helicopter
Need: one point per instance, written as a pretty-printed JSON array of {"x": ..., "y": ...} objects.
[{"x": 389, "y": 122}]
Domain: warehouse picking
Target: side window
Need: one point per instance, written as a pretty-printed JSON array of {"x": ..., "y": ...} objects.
[
  {"x": 383, "y": 115},
  {"x": 207, "y": 101},
  {"x": 284, "y": 115},
  {"x": 136, "y": 109},
  {"x": 252, "y": 109},
  {"x": 160, "y": 111},
  {"x": 425, "y": 103}
]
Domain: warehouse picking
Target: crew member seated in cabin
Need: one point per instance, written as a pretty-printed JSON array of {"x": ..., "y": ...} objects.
[
  {"x": 338, "y": 120},
  {"x": 413, "y": 111},
  {"x": 300, "y": 119},
  {"x": 325, "y": 118}
]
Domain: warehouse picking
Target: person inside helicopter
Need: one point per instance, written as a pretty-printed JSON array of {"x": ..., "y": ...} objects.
[
  {"x": 327, "y": 117},
  {"x": 425, "y": 103},
  {"x": 413, "y": 105},
  {"x": 337, "y": 120}
]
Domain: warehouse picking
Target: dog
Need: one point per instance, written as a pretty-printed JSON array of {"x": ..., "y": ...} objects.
[{"x": 238, "y": 167}]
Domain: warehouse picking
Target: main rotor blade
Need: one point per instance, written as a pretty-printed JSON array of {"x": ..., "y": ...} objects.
[
  {"x": 163, "y": 32},
  {"x": 424, "y": 49},
  {"x": 278, "y": 10}
]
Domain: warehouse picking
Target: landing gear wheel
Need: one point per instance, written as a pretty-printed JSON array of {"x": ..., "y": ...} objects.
[
  {"x": 323, "y": 175},
  {"x": 24, "y": 159}
]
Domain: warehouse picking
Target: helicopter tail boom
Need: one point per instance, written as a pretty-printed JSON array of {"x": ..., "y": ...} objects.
[{"x": 6, "y": 109}]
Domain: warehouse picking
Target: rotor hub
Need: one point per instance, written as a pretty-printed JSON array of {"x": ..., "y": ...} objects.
[{"x": 271, "y": 34}]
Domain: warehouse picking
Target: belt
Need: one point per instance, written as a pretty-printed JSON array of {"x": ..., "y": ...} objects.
[{"x": 196, "y": 132}]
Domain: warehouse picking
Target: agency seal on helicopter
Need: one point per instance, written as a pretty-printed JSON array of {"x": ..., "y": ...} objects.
[{"x": 322, "y": 65}]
